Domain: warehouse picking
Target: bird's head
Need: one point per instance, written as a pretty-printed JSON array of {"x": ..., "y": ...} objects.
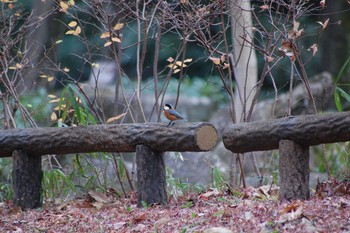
[{"x": 168, "y": 107}]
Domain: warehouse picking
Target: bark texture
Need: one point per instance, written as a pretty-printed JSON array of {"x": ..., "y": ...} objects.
[
  {"x": 26, "y": 178},
  {"x": 108, "y": 138},
  {"x": 305, "y": 130},
  {"x": 294, "y": 171},
  {"x": 151, "y": 180}
]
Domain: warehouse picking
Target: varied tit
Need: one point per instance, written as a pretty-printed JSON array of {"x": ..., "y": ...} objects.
[{"x": 171, "y": 114}]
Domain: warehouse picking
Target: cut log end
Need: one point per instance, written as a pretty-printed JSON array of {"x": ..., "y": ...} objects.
[{"x": 207, "y": 137}]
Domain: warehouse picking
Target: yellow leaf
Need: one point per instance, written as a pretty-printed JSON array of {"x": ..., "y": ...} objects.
[
  {"x": 108, "y": 43},
  {"x": 105, "y": 35},
  {"x": 64, "y": 6},
  {"x": 73, "y": 24},
  {"x": 52, "y": 96},
  {"x": 12, "y": 68},
  {"x": 71, "y": 2},
  {"x": 50, "y": 79},
  {"x": 70, "y": 32},
  {"x": 115, "y": 118},
  {"x": 176, "y": 71},
  {"x": 172, "y": 66},
  {"x": 77, "y": 31},
  {"x": 43, "y": 76},
  {"x": 116, "y": 39},
  {"x": 179, "y": 63},
  {"x": 215, "y": 60},
  {"x": 53, "y": 116},
  {"x": 59, "y": 41},
  {"x": 188, "y": 60},
  {"x": 95, "y": 65},
  {"x": 118, "y": 26},
  {"x": 19, "y": 66},
  {"x": 65, "y": 69}
]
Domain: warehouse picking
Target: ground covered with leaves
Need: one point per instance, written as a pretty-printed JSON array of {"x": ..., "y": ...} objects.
[{"x": 250, "y": 210}]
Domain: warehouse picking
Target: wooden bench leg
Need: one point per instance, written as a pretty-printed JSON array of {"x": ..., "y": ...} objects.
[
  {"x": 26, "y": 180},
  {"x": 294, "y": 171},
  {"x": 151, "y": 180}
]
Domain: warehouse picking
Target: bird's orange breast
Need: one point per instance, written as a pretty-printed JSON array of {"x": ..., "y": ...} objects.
[{"x": 169, "y": 116}]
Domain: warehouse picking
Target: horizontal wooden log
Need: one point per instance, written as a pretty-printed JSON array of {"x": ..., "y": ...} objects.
[
  {"x": 109, "y": 138},
  {"x": 307, "y": 130}
]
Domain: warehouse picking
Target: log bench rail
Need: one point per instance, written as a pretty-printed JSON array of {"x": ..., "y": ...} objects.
[
  {"x": 149, "y": 140},
  {"x": 293, "y": 136}
]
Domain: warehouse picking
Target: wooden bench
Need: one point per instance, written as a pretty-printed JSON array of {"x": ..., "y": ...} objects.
[
  {"x": 148, "y": 140},
  {"x": 293, "y": 136}
]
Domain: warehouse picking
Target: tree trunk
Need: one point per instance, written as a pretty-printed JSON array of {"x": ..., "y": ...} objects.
[
  {"x": 246, "y": 64},
  {"x": 294, "y": 171},
  {"x": 151, "y": 180},
  {"x": 26, "y": 177}
]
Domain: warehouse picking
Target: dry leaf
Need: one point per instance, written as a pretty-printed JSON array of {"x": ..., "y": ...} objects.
[
  {"x": 170, "y": 59},
  {"x": 314, "y": 49},
  {"x": 115, "y": 118},
  {"x": 49, "y": 79},
  {"x": 269, "y": 58},
  {"x": 325, "y": 24},
  {"x": 118, "y": 26},
  {"x": 70, "y": 32},
  {"x": 295, "y": 32},
  {"x": 264, "y": 7},
  {"x": 176, "y": 71},
  {"x": 73, "y": 24},
  {"x": 180, "y": 63},
  {"x": 77, "y": 31},
  {"x": 64, "y": 6},
  {"x": 116, "y": 39},
  {"x": 66, "y": 69},
  {"x": 187, "y": 60},
  {"x": 226, "y": 65},
  {"x": 323, "y": 3},
  {"x": 105, "y": 35},
  {"x": 108, "y": 43},
  {"x": 53, "y": 116},
  {"x": 172, "y": 66},
  {"x": 215, "y": 60}
]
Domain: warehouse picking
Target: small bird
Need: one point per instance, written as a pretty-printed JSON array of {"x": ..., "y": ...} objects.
[{"x": 171, "y": 114}]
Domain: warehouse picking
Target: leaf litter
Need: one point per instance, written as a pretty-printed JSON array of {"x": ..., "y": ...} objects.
[{"x": 250, "y": 210}]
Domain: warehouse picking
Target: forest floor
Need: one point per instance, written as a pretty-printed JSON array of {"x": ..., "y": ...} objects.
[{"x": 250, "y": 210}]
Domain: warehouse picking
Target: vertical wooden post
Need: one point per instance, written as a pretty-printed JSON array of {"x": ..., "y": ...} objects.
[
  {"x": 151, "y": 180},
  {"x": 294, "y": 170},
  {"x": 26, "y": 178}
]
